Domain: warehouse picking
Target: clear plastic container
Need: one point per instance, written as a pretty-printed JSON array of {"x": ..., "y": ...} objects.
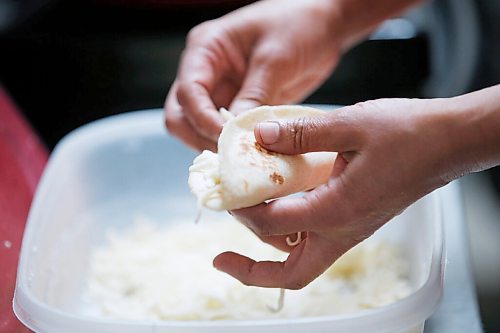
[{"x": 127, "y": 164}]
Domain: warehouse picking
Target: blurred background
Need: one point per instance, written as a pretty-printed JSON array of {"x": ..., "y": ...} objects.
[{"x": 66, "y": 63}]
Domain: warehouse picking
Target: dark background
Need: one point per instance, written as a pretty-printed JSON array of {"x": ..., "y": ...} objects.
[{"x": 77, "y": 61}]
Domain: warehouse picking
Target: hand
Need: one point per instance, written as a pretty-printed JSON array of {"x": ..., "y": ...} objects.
[
  {"x": 392, "y": 152},
  {"x": 271, "y": 52}
]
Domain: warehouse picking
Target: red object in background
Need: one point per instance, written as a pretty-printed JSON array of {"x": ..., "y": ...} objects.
[{"x": 22, "y": 159}]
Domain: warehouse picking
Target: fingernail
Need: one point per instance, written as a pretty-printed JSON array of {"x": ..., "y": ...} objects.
[{"x": 269, "y": 132}]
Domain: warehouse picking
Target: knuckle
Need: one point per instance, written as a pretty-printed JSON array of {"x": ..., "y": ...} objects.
[
  {"x": 272, "y": 53},
  {"x": 183, "y": 91},
  {"x": 295, "y": 284},
  {"x": 306, "y": 134},
  {"x": 297, "y": 133},
  {"x": 206, "y": 33},
  {"x": 274, "y": 58},
  {"x": 186, "y": 98},
  {"x": 172, "y": 123},
  {"x": 199, "y": 33},
  {"x": 190, "y": 93},
  {"x": 261, "y": 228},
  {"x": 181, "y": 95},
  {"x": 268, "y": 58}
]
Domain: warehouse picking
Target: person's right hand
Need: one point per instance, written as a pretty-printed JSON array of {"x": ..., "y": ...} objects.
[
  {"x": 271, "y": 52},
  {"x": 392, "y": 152}
]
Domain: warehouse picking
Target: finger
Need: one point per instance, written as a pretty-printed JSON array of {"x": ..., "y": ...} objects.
[
  {"x": 305, "y": 263},
  {"x": 329, "y": 132},
  {"x": 196, "y": 80},
  {"x": 327, "y": 205},
  {"x": 180, "y": 127},
  {"x": 340, "y": 164},
  {"x": 254, "y": 92},
  {"x": 279, "y": 217},
  {"x": 260, "y": 85},
  {"x": 225, "y": 92},
  {"x": 282, "y": 243},
  {"x": 299, "y": 89}
]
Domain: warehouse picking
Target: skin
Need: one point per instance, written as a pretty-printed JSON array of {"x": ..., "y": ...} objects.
[
  {"x": 271, "y": 52},
  {"x": 391, "y": 151}
]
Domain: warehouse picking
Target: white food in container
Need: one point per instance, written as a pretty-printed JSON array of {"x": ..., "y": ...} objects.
[
  {"x": 109, "y": 172},
  {"x": 152, "y": 273}
]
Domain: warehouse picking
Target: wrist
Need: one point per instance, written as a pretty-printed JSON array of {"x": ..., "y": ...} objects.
[
  {"x": 356, "y": 19},
  {"x": 470, "y": 126},
  {"x": 478, "y": 120}
]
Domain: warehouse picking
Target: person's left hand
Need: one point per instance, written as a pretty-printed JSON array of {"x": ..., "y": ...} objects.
[{"x": 271, "y": 52}]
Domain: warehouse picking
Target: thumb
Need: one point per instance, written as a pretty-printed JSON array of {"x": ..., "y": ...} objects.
[{"x": 308, "y": 134}]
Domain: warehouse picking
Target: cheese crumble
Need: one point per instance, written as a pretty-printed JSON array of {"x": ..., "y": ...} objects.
[{"x": 152, "y": 272}]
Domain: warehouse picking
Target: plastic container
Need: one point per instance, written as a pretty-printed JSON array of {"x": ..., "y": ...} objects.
[{"x": 117, "y": 167}]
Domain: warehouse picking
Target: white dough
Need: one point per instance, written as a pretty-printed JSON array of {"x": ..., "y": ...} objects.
[{"x": 244, "y": 174}]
